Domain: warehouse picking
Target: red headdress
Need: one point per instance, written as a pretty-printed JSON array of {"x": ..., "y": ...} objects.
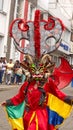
[{"x": 44, "y": 37}]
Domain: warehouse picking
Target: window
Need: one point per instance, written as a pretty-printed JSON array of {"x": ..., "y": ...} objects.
[
  {"x": 72, "y": 36},
  {"x": 1, "y": 5},
  {"x": 52, "y": 4},
  {"x": 45, "y": 15},
  {"x": 66, "y": 36},
  {"x": 31, "y": 11}
]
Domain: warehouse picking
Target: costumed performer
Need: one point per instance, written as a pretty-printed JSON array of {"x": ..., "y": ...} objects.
[{"x": 45, "y": 106}]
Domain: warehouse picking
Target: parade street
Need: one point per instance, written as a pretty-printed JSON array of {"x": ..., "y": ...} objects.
[{"x": 9, "y": 91}]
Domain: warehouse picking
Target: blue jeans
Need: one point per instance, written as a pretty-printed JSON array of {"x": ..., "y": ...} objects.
[
  {"x": 17, "y": 78},
  {"x": 1, "y": 75}
]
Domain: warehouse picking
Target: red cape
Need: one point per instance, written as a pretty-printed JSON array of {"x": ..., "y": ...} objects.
[{"x": 63, "y": 74}]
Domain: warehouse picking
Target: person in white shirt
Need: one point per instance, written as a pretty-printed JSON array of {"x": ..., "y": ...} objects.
[
  {"x": 9, "y": 71},
  {"x": 4, "y": 68},
  {"x": 1, "y": 64}
]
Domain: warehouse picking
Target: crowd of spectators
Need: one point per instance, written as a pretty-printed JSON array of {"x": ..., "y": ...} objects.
[{"x": 11, "y": 72}]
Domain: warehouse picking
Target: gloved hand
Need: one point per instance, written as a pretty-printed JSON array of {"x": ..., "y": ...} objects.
[
  {"x": 3, "y": 103},
  {"x": 69, "y": 100}
]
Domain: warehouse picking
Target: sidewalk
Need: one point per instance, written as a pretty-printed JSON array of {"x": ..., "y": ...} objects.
[
  {"x": 6, "y": 91},
  {"x": 5, "y": 87}
]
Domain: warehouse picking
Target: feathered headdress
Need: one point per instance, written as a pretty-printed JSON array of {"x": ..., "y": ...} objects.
[{"x": 43, "y": 37}]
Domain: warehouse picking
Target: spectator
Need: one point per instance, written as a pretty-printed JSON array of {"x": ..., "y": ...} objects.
[
  {"x": 17, "y": 72},
  {"x": 9, "y": 71},
  {"x": 4, "y": 68},
  {"x": 23, "y": 77},
  {"x": 1, "y": 64}
]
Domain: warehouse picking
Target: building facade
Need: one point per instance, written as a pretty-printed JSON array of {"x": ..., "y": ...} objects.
[
  {"x": 4, "y": 24},
  {"x": 25, "y": 9}
]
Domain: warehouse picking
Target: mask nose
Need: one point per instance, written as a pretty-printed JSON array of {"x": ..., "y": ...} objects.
[{"x": 37, "y": 72}]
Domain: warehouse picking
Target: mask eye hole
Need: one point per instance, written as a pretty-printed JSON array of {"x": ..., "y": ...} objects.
[
  {"x": 41, "y": 67},
  {"x": 33, "y": 67}
]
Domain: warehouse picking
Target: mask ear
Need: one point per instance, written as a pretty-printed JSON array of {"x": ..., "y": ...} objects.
[
  {"x": 46, "y": 59},
  {"x": 48, "y": 64},
  {"x": 27, "y": 62},
  {"x": 50, "y": 67}
]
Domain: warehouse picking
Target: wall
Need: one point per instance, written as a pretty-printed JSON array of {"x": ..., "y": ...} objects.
[
  {"x": 42, "y": 4},
  {"x": 55, "y": 10},
  {"x": 4, "y": 18}
]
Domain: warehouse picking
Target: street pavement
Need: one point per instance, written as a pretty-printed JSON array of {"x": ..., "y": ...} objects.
[
  {"x": 5, "y": 93},
  {"x": 9, "y": 91}
]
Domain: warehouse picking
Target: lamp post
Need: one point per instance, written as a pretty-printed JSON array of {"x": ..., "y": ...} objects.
[
  {"x": 72, "y": 28},
  {"x": 71, "y": 39}
]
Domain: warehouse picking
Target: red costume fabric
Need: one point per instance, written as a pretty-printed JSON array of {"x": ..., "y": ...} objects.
[
  {"x": 63, "y": 74},
  {"x": 33, "y": 97}
]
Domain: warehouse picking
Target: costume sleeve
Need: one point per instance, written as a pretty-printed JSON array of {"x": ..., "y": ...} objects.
[
  {"x": 53, "y": 89},
  {"x": 19, "y": 98}
]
